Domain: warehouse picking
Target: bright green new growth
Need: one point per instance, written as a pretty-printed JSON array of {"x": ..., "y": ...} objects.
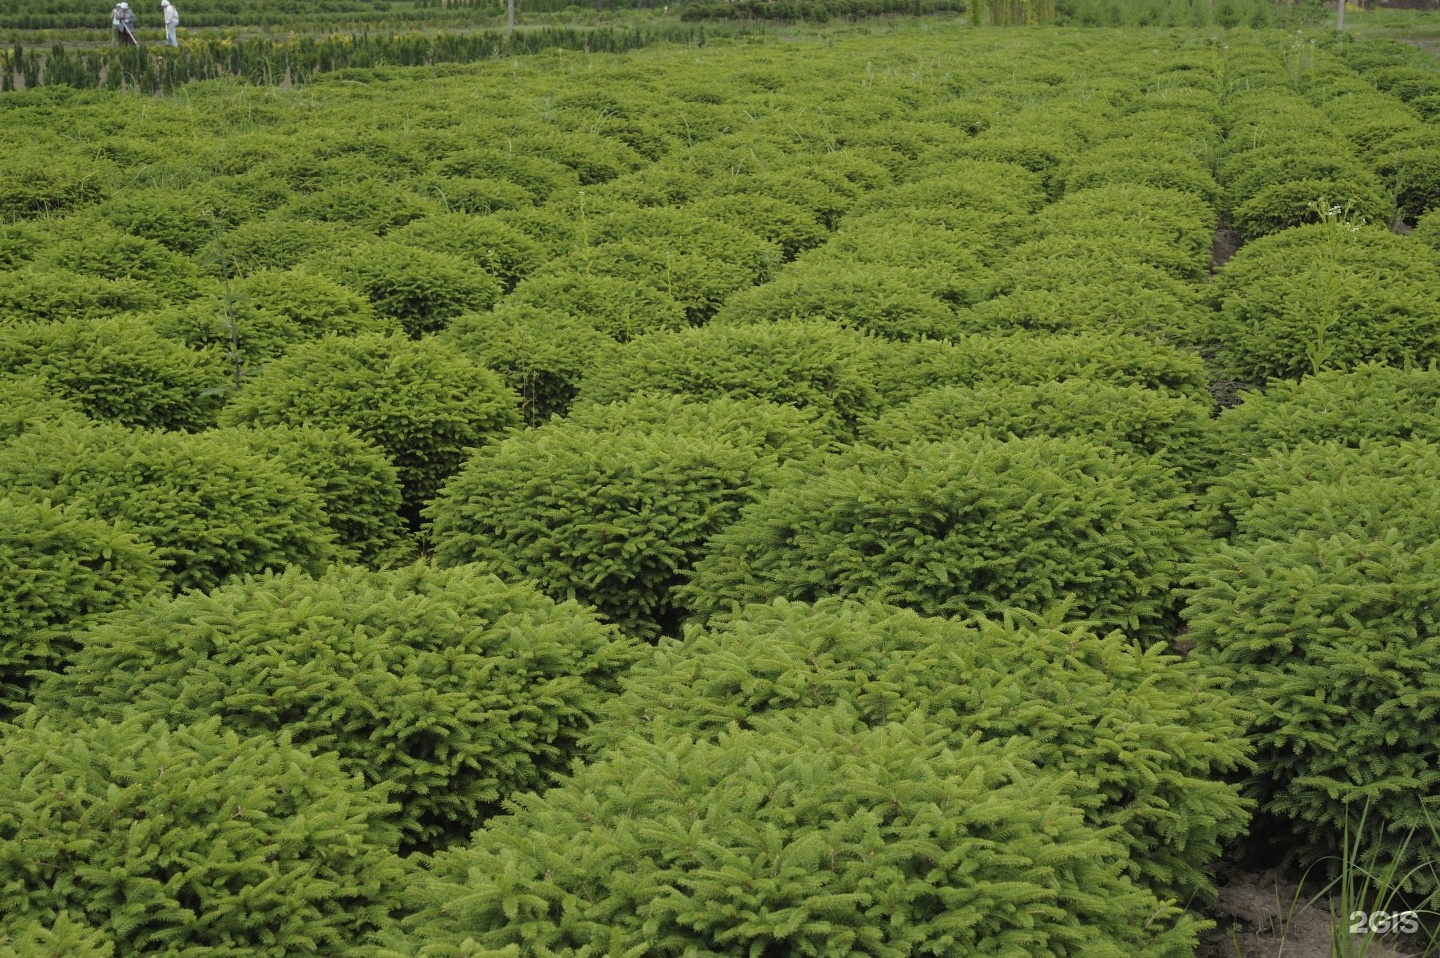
[
  {"x": 209, "y": 510},
  {"x": 1120, "y": 718},
  {"x": 353, "y": 480},
  {"x": 451, "y": 689},
  {"x": 977, "y": 525},
  {"x": 808, "y": 836},
  {"x": 1333, "y": 640},
  {"x": 420, "y": 402},
  {"x": 62, "y": 938},
  {"x": 1130, "y": 419},
  {"x": 60, "y": 568},
  {"x": 28, "y": 401},
  {"x": 1372, "y": 401},
  {"x": 613, "y": 516},
  {"x": 191, "y": 841},
  {"x": 1332, "y": 295},
  {"x": 120, "y": 370}
]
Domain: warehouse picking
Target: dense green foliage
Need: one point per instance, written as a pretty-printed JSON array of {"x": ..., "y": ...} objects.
[
  {"x": 208, "y": 509},
  {"x": 614, "y": 509},
  {"x": 1328, "y": 295},
  {"x": 61, "y": 568},
  {"x": 806, "y": 834},
  {"x": 977, "y": 525},
  {"x": 1319, "y": 617},
  {"x": 120, "y": 370},
  {"x": 1160, "y": 780},
  {"x": 449, "y": 688},
  {"x": 419, "y": 402},
  {"x": 191, "y": 840}
]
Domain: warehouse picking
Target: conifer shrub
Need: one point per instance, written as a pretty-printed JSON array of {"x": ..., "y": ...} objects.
[
  {"x": 681, "y": 229},
  {"x": 63, "y": 938},
  {"x": 420, "y": 401},
  {"x": 26, "y": 401},
  {"x": 60, "y": 567},
  {"x": 620, "y": 308},
  {"x": 972, "y": 526},
  {"x": 496, "y": 247},
  {"x": 1427, "y": 229},
  {"x": 971, "y": 184},
  {"x": 538, "y": 175},
  {"x": 34, "y": 186},
  {"x": 1329, "y": 295},
  {"x": 1331, "y": 639},
  {"x": 1414, "y": 175},
  {"x": 542, "y": 355},
  {"x": 698, "y": 283},
  {"x": 173, "y": 218},
  {"x": 780, "y": 430},
  {"x": 909, "y": 369},
  {"x": 1142, "y": 422},
  {"x": 93, "y": 249},
  {"x": 1372, "y": 401},
  {"x": 791, "y": 227},
  {"x": 56, "y": 294},
  {"x": 119, "y": 369},
  {"x": 208, "y": 510},
  {"x": 449, "y": 688},
  {"x": 612, "y": 517},
  {"x": 371, "y": 204},
  {"x": 1327, "y": 488},
  {"x": 806, "y": 835},
  {"x": 1292, "y": 203},
  {"x": 191, "y": 840},
  {"x": 475, "y": 195},
  {"x": 933, "y": 258},
  {"x": 274, "y": 242},
  {"x": 272, "y": 310},
  {"x": 421, "y": 289},
  {"x": 1118, "y": 717},
  {"x": 1164, "y": 228},
  {"x": 1043, "y": 292},
  {"x": 817, "y": 366},
  {"x": 874, "y": 299},
  {"x": 354, "y": 482},
  {"x": 1145, "y": 160}
]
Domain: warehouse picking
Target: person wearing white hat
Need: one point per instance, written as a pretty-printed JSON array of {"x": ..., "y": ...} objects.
[
  {"x": 122, "y": 19},
  {"x": 172, "y": 20}
]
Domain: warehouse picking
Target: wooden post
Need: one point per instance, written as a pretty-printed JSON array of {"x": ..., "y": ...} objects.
[
  {"x": 510, "y": 17},
  {"x": 1339, "y": 14}
]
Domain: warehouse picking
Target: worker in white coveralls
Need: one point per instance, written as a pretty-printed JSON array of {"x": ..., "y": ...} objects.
[{"x": 172, "y": 20}]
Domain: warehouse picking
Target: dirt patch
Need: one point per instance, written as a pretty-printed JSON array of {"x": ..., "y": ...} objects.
[
  {"x": 1226, "y": 242},
  {"x": 1265, "y": 914}
]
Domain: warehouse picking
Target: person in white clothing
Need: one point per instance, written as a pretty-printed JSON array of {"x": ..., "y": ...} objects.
[{"x": 172, "y": 20}]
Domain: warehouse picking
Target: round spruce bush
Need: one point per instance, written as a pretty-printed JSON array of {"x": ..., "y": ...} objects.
[
  {"x": 449, "y": 688},
  {"x": 274, "y": 242},
  {"x": 541, "y": 354},
  {"x": 370, "y": 204},
  {"x": 354, "y": 481},
  {"x": 191, "y": 841},
  {"x": 60, "y": 567},
  {"x": 174, "y": 218},
  {"x": 501, "y": 250},
  {"x": 1371, "y": 401},
  {"x": 1292, "y": 203},
  {"x": 1329, "y": 488},
  {"x": 621, "y": 308},
  {"x": 419, "y": 288},
  {"x": 26, "y": 401},
  {"x": 120, "y": 370},
  {"x": 977, "y": 525},
  {"x": 1329, "y": 295},
  {"x": 208, "y": 509},
  {"x": 96, "y": 249},
  {"x": 817, "y": 366},
  {"x": 272, "y": 310},
  {"x": 787, "y": 225},
  {"x": 1427, "y": 229},
  {"x": 422, "y": 402},
  {"x": 1175, "y": 431},
  {"x": 1332, "y": 637},
  {"x": 698, "y": 283},
  {"x": 1118, "y": 717},
  {"x": 784, "y": 431},
  {"x": 612, "y": 517},
  {"x": 876, "y": 299},
  {"x": 809, "y": 836},
  {"x": 56, "y": 295}
]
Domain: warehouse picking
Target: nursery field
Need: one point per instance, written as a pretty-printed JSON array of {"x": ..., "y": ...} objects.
[{"x": 895, "y": 489}]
